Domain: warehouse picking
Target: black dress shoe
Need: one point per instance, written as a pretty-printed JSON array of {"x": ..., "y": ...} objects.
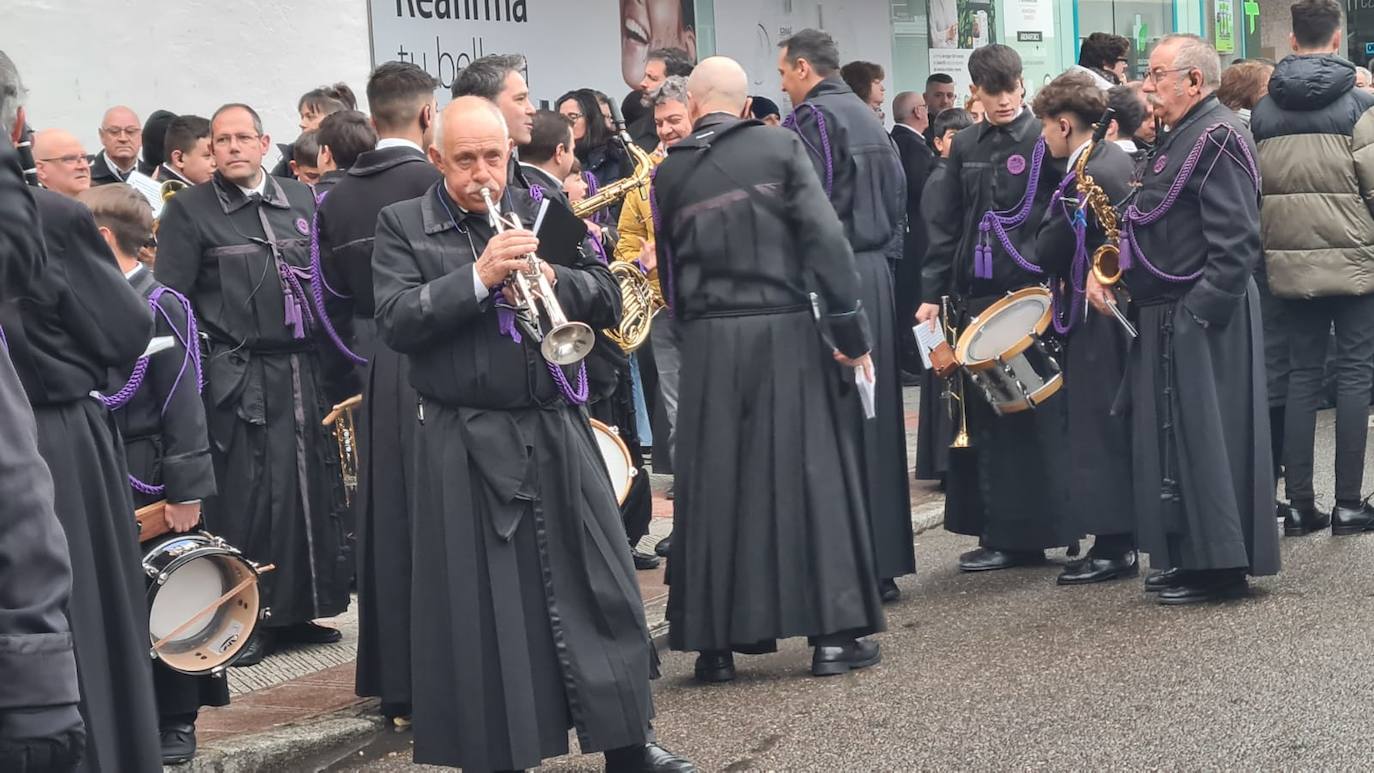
[
  {"x": 888, "y": 591},
  {"x": 178, "y": 743},
  {"x": 308, "y": 633},
  {"x": 841, "y": 659},
  {"x": 715, "y": 667},
  {"x": 990, "y": 559},
  {"x": 1298, "y": 521},
  {"x": 1352, "y": 520},
  {"x": 1210, "y": 585},
  {"x": 1162, "y": 579},
  {"x": 644, "y": 561},
  {"x": 649, "y": 758},
  {"x": 1092, "y": 569},
  {"x": 259, "y": 646},
  {"x": 664, "y": 545}
]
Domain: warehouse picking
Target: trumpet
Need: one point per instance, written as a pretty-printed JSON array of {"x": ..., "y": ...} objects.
[
  {"x": 565, "y": 342},
  {"x": 954, "y": 388},
  {"x": 341, "y": 420}
]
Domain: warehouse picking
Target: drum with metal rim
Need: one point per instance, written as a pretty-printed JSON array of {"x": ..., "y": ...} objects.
[
  {"x": 203, "y": 602},
  {"x": 1005, "y": 356},
  {"x": 616, "y": 455}
]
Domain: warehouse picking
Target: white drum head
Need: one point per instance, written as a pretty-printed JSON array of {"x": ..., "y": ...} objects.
[
  {"x": 997, "y": 333},
  {"x": 619, "y": 465},
  {"x": 191, "y": 588}
]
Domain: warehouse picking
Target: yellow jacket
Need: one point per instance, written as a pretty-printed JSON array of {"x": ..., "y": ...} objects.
[{"x": 637, "y": 225}]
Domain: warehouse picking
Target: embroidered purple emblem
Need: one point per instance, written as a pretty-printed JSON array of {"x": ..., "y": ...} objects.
[
  {"x": 303, "y": 226},
  {"x": 1160, "y": 163},
  {"x": 1016, "y": 164}
]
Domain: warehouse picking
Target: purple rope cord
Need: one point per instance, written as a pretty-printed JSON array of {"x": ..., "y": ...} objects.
[
  {"x": 319, "y": 284},
  {"x": 998, "y": 223},
  {"x": 190, "y": 343},
  {"x": 665, "y": 271},
  {"x": 146, "y": 488},
  {"x": 1072, "y": 293},
  {"x": 536, "y": 193},
  {"x": 598, "y": 247},
  {"x": 824, "y": 150},
  {"x": 593, "y": 186},
  {"x": 1133, "y": 216},
  {"x": 126, "y": 393}
]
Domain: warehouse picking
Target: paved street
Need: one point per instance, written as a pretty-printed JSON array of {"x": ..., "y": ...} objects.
[{"x": 1007, "y": 671}]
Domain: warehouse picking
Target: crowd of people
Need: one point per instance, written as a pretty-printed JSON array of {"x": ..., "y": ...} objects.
[{"x": 390, "y": 255}]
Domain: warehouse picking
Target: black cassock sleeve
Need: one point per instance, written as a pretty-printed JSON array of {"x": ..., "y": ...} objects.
[
  {"x": 1229, "y": 201},
  {"x": 942, "y": 206},
  {"x": 186, "y": 468},
  {"x": 341, "y": 377},
  {"x": 178, "y": 248},
  {"x": 412, "y": 313},
  {"x": 588, "y": 291},
  {"x": 21, "y": 244},
  {"x": 1055, "y": 242},
  {"x": 102, "y": 312}
]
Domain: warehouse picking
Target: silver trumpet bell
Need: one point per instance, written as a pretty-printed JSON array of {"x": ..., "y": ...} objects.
[{"x": 536, "y": 306}]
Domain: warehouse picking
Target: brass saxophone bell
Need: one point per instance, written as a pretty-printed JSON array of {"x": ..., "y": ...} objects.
[
  {"x": 1106, "y": 264},
  {"x": 170, "y": 189}
]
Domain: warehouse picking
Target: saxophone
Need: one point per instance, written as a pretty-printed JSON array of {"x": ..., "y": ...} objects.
[
  {"x": 639, "y": 300},
  {"x": 1106, "y": 260}
]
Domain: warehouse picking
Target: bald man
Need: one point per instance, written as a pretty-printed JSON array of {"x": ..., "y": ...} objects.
[
  {"x": 61, "y": 162},
  {"x": 767, "y": 395},
  {"x": 526, "y": 618},
  {"x": 121, "y": 134}
]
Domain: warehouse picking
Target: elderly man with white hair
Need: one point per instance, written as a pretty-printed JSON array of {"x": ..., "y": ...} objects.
[
  {"x": 526, "y": 617},
  {"x": 1190, "y": 243},
  {"x": 772, "y": 539}
]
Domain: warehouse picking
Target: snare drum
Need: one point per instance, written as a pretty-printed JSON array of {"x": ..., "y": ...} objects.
[
  {"x": 203, "y": 602},
  {"x": 1003, "y": 353},
  {"x": 616, "y": 455}
]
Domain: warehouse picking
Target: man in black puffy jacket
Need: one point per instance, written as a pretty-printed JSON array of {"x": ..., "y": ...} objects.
[{"x": 1315, "y": 133}]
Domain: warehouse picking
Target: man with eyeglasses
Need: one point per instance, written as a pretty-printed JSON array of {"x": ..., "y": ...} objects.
[
  {"x": 239, "y": 248},
  {"x": 121, "y": 134},
  {"x": 1199, "y": 415},
  {"x": 61, "y": 162}
]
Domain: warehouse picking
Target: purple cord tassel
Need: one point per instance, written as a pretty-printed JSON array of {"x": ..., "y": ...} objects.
[
  {"x": 1127, "y": 248},
  {"x": 505, "y": 320}
]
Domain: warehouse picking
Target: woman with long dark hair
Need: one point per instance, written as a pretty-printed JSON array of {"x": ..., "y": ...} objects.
[{"x": 596, "y": 148}]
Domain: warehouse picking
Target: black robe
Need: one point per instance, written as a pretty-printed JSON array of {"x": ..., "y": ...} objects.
[
  {"x": 280, "y": 495},
  {"x": 936, "y": 425},
  {"x": 1099, "y": 497},
  {"x": 862, "y": 175},
  {"x": 771, "y": 539},
  {"x": 386, "y": 421},
  {"x": 37, "y": 666},
  {"x": 1204, "y": 493},
  {"x": 527, "y": 619},
  {"x": 163, "y": 429},
  {"x": 1007, "y": 489},
  {"x": 78, "y": 319},
  {"x": 918, "y": 162}
]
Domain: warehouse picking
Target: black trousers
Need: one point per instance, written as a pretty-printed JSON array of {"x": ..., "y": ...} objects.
[{"x": 1310, "y": 324}]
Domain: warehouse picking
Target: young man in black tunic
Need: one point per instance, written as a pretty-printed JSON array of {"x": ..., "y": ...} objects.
[
  {"x": 773, "y": 541},
  {"x": 527, "y": 620},
  {"x": 77, "y": 318},
  {"x": 1007, "y": 489},
  {"x": 1099, "y": 500},
  {"x": 862, "y": 175},
  {"x": 40, "y": 721},
  {"x": 1204, "y": 488},
  {"x": 162, "y": 421},
  {"x": 239, "y": 248}
]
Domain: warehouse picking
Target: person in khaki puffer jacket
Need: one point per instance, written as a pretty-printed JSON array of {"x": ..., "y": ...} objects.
[{"x": 1315, "y": 133}]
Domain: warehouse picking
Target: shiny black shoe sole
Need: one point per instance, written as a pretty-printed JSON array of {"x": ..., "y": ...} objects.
[
  {"x": 714, "y": 675},
  {"x": 1340, "y": 530},
  {"x": 1290, "y": 530},
  {"x": 1227, "y": 593},
  {"x": 998, "y": 567},
  {"x": 838, "y": 667},
  {"x": 1124, "y": 573}
]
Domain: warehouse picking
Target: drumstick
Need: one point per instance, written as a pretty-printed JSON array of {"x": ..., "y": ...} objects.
[{"x": 216, "y": 604}]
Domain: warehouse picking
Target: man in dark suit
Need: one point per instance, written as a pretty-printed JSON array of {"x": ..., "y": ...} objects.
[{"x": 918, "y": 160}]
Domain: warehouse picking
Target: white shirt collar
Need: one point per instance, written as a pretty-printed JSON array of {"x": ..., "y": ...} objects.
[
  {"x": 908, "y": 127},
  {"x": 260, "y": 188},
  {"x": 1073, "y": 157},
  {"x": 544, "y": 173},
  {"x": 131, "y": 272},
  {"x": 113, "y": 167},
  {"x": 1127, "y": 145},
  {"x": 397, "y": 142}
]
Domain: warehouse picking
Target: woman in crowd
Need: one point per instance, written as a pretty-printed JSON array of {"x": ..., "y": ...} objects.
[
  {"x": 313, "y": 106},
  {"x": 866, "y": 79},
  {"x": 1243, "y": 85},
  {"x": 596, "y": 148}
]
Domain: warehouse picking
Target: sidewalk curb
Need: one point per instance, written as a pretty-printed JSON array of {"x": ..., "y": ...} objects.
[{"x": 286, "y": 748}]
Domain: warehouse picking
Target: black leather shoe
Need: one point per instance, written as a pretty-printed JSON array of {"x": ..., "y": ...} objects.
[
  {"x": 1298, "y": 521},
  {"x": 644, "y": 561},
  {"x": 841, "y": 659},
  {"x": 1091, "y": 570},
  {"x": 888, "y": 591},
  {"x": 649, "y": 758},
  {"x": 664, "y": 545},
  {"x": 1352, "y": 520},
  {"x": 715, "y": 667},
  {"x": 258, "y": 647},
  {"x": 1199, "y": 586},
  {"x": 1162, "y": 579},
  {"x": 990, "y": 559},
  {"x": 308, "y": 633},
  {"x": 178, "y": 743}
]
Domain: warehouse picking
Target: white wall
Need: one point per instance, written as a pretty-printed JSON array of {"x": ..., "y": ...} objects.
[{"x": 78, "y": 57}]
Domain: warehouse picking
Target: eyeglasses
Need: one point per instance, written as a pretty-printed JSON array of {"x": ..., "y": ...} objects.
[
  {"x": 574, "y": 116},
  {"x": 226, "y": 140},
  {"x": 122, "y": 131},
  {"x": 70, "y": 160},
  {"x": 1159, "y": 74}
]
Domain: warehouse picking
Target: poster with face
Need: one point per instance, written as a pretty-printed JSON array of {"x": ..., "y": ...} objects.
[{"x": 649, "y": 24}]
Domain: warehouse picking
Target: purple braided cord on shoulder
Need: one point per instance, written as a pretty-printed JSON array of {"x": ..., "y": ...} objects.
[
  {"x": 126, "y": 393},
  {"x": 536, "y": 193},
  {"x": 665, "y": 271},
  {"x": 593, "y": 185},
  {"x": 1134, "y": 216},
  {"x": 318, "y": 284},
  {"x": 998, "y": 223},
  {"x": 190, "y": 342},
  {"x": 1068, "y": 296},
  {"x": 824, "y": 150}
]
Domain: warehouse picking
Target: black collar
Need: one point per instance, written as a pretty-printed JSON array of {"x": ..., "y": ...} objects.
[
  {"x": 377, "y": 161},
  {"x": 1019, "y": 128},
  {"x": 828, "y": 86},
  {"x": 543, "y": 175},
  {"x": 232, "y": 198}
]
